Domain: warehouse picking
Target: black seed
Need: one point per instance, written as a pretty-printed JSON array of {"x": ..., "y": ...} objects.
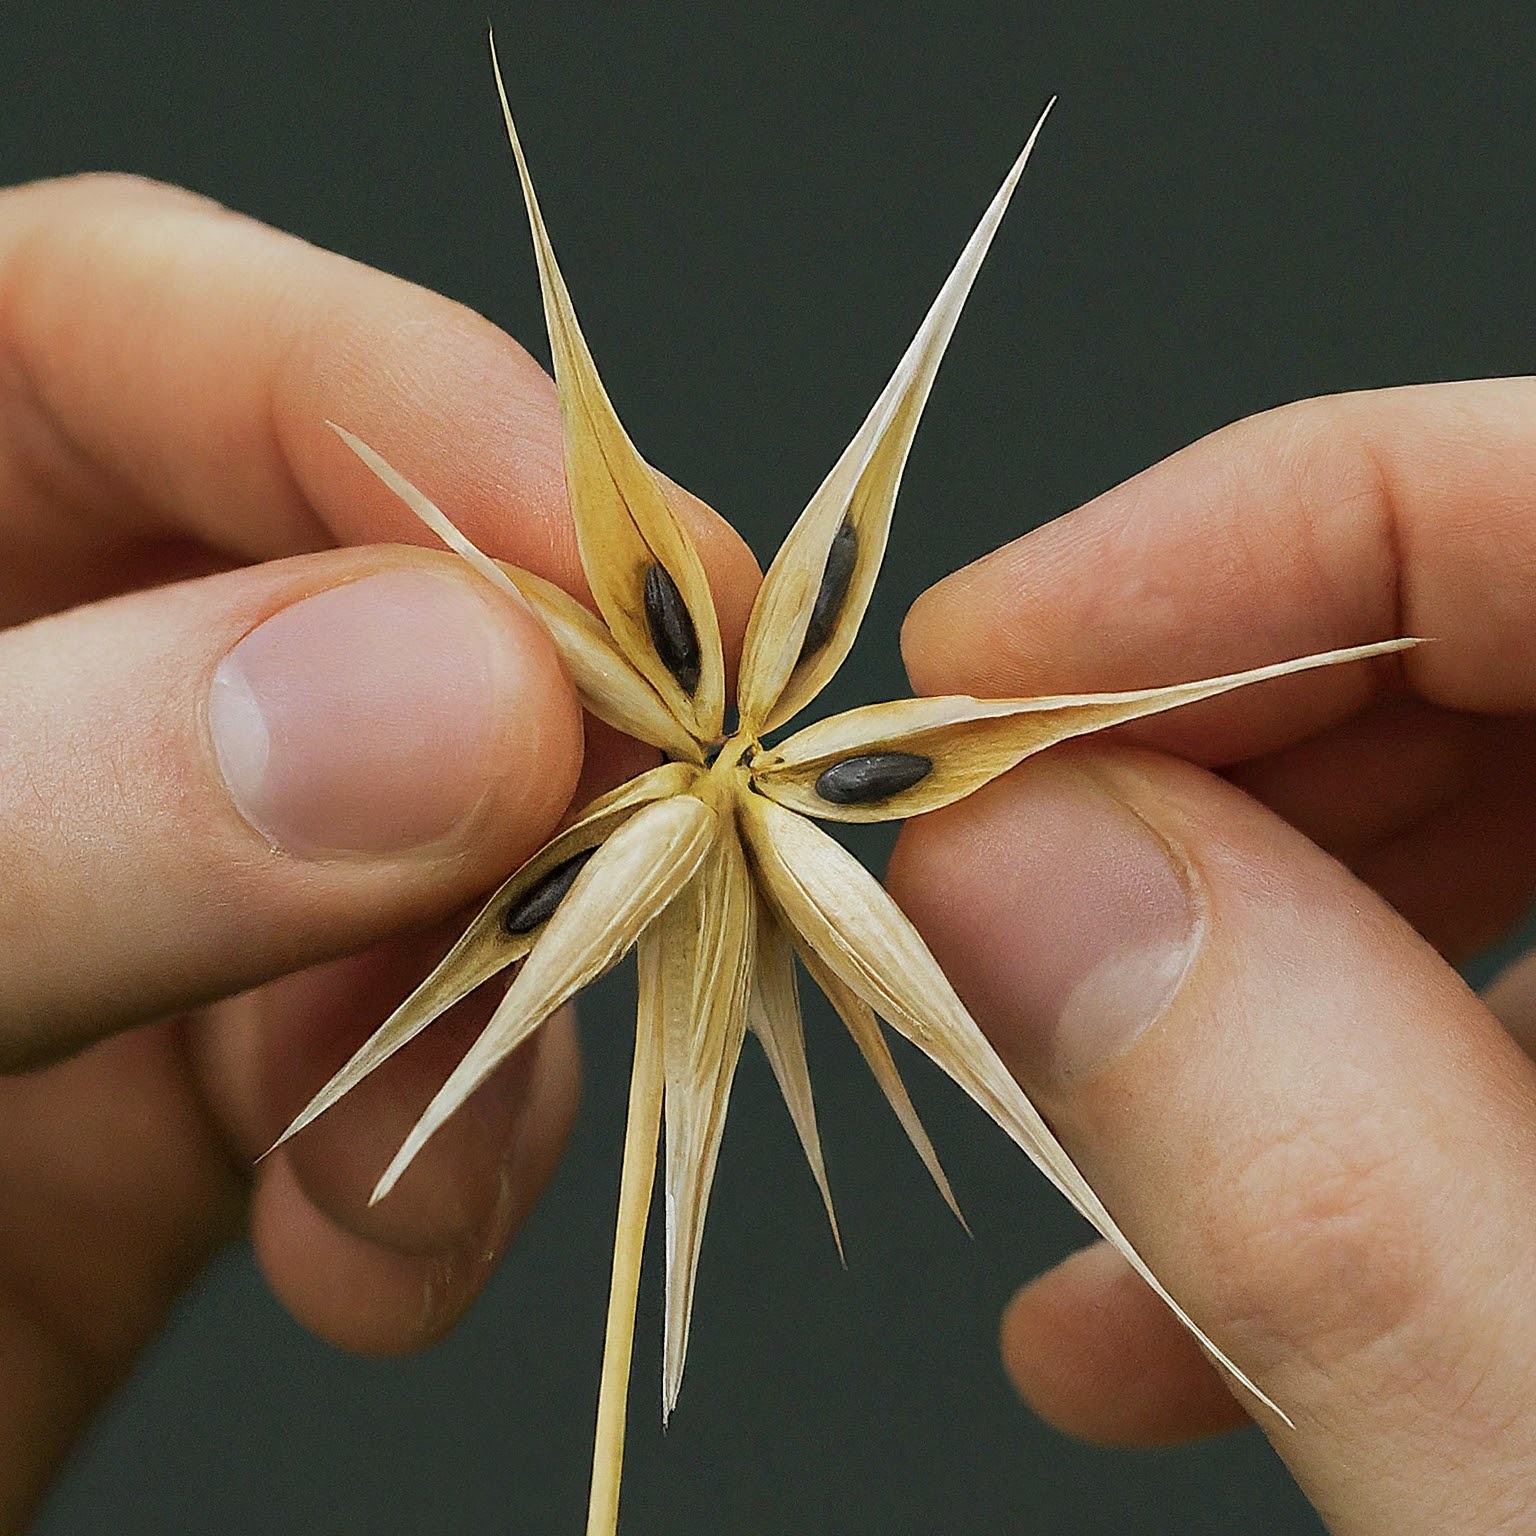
[
  {"x": 836, "y": 578},
  {"x": 672, "y": 631},
  {"x": 874, "y": 776},
  {"x": 539, "y": 902}
]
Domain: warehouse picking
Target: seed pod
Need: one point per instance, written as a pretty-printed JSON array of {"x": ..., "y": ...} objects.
[
  {"x": 714, "y": 922},
  {"x": 871, "y": 776},
  {"x": 539, "y": 904},
  {"x": 672, "y": 631},
  {"x": 836, "y": 578}
]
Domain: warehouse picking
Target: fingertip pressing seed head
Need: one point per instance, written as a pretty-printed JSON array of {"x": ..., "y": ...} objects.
[
  {"x": 836, "y": 578},
  {"x": 871, "y": 776},
  {"x": 672, "y": 631},
  {"x": 539, "y": 903}
]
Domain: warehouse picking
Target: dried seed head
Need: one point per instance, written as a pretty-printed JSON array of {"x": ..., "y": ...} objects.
[
  {"x": 672, "y": 631},
  {"x": 539, "y": 904},
  {"x": 836, "y": 578},
  {"x": 871, "y": 776},
  {"x": 658, "y": 862}
]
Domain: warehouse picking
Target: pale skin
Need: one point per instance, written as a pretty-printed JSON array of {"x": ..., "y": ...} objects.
[{"x": 1320, "y": 1140}]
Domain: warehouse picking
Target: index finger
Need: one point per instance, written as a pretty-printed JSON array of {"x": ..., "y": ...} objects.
[
  {"x": 1334, "y": 521},
  {"x": 166, "y": 372}
]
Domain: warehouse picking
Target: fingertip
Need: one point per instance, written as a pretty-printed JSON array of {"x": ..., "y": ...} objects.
[
  {"x": 1067, "y": 954},
  {"x": 934, "y": 633},
  {"x": 1099, "y": 1357},
  {"x": 354, "y": 1293},
  {"x": 294, "y": 759},
  {"x": 393, "y": 1277},
  {"x": 537, "y": 759},
  {"x": 410, "y": 709},
  {"x": 479, "y": 1176},
  {"x": 1511, "y": 998}
]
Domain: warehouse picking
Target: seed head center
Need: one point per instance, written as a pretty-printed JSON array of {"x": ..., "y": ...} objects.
[{"x": 734, "y": 755}]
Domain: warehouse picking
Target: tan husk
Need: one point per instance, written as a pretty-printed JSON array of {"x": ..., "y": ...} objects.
[
  {"x": 775, "y": 683},
  {"x": 710, "y": 863},
  {"x": 637, "y": 1176},
  {"x": 486, "y": 947},
  {"x": 606, "y": 683},
  {"x": 704, "y": 959},
  {"x": 773, "y": 1014},
  {"x": 623, "y": 523},
  {"x": 428, "y": 511},
  {"x": 864, "y": 1028},
  {"x": 627, "y": 883},
  {"x": 971, "y": 741}
]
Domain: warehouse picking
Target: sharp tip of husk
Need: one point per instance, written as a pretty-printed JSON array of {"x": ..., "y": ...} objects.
[
  {"x": 506, "y": 105},
  {"x": 1034, "y": 134},
  {"x": 941, "y": 1182},
  {"x": 367, "y": 454},
  {"x": 1263, "y": 1399},
  {"x": 306, "y": 1117},
  {"x": 826, "y": 1202},
  {"x": 393, "y": 1174},
  {"x": 1371, "y": 650},
  {"x": 837, "y": 1236},
  {"x": 956, "y": 1212},
  {"x": 292, "y": 1131},
  {"x": 1402, "y": 643}
]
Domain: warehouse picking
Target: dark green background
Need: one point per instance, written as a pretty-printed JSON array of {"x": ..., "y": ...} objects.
[{"x": 1232, "y": 207}]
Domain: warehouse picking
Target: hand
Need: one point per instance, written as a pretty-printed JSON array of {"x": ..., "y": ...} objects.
[
  {"x": 1320, "y": 1140},
  {"x": 233, "y": 753}
]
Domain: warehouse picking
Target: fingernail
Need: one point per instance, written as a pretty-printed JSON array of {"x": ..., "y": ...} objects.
[
  {"x": 1090, "y": 928},
  {"x": 360, "y": 720}
]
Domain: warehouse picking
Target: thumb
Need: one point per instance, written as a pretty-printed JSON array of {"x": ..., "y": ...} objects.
[
  {"x": 1321, "y": 1141},
  {"x": 210, "y": 784}
]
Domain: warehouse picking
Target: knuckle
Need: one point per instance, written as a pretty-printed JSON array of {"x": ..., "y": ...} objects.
[{"x": 1320, "y": 1252}]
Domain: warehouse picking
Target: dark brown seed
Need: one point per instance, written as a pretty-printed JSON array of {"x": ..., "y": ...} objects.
[
  {"x": 540, "y": 900},
  {"x": 672, "y": 631},
  {"x": 873, "y": 776},
  {"x": 836, "y": 578}
]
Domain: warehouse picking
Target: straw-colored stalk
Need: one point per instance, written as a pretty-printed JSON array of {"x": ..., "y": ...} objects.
[{"x": 710, "y": 864}]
